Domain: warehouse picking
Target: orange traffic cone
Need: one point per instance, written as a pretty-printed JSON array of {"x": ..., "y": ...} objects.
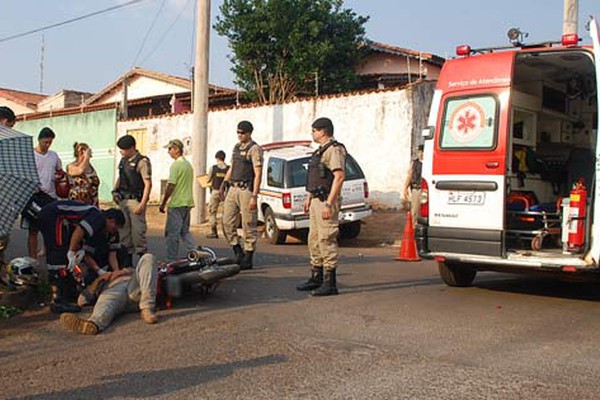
[{"x": 408, "y": 248}]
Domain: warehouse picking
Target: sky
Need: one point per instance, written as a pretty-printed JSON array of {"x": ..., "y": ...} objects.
[{"x": 89, "y": 54}]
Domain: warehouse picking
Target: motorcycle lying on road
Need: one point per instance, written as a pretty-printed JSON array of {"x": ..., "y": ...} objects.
[{"x": 201, "y": 270}]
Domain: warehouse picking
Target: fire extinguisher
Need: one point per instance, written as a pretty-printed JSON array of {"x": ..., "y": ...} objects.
[{"x": 577, "y": 214}]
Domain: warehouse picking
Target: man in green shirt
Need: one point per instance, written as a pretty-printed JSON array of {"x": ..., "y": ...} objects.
[{"x": 179, "y": 191}]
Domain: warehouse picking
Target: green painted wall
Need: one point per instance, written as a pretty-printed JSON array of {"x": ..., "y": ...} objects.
[{"x": 97, "y": 128}]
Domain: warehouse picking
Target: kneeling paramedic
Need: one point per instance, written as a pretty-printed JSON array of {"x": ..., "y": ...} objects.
[
  {"x": 326, "y": 174},
  {"x": 114, "y": 293},
  {"x": 66, "y": 226}
]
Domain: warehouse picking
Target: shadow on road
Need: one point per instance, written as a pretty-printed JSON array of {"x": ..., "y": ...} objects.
[
  {"x": 537, "y": 286},
  {"x": 143, "y": 384}
]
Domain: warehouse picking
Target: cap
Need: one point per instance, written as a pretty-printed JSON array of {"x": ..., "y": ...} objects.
[
  {"x": 245, "y": 126},
  {"x": 421, "y": 147},
  {"x": 323, "y": 123},
  {"x": 175, "y": 143}
]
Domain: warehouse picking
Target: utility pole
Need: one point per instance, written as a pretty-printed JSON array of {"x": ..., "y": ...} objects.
[
  {"x": 200, "y": 96},
  {"x": 570, "y": 17}
]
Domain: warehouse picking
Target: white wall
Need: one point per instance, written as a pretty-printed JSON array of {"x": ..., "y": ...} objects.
[{"x": 377, "y": 128}]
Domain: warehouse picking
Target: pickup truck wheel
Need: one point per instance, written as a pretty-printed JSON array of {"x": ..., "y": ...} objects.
[
  {"x": 274, "y": 235},
  {"x": 456, "y": 274},
  {"x": 350, "y": 230}
]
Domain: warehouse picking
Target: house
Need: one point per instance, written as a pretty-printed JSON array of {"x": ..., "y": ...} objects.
[
  {"x": 149, "y": 93},
  {"x": 63, "y": 99},
  {"x": 386, "y": 66},
  {"x": 20, "y": 102}
]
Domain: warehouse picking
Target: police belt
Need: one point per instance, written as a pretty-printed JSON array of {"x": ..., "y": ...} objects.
[
  {"x": 241, "y": 184},
  {"x": 319, "y": 195},
  {"x": 128, "y": 196},
  {"x": 415, "y": 186}
]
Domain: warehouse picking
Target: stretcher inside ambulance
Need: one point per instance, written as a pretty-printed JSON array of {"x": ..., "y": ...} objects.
[{"x": 510, "y": 162}]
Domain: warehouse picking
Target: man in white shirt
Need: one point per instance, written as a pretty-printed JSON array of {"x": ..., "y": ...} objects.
[{"x": 47, "y": 163}]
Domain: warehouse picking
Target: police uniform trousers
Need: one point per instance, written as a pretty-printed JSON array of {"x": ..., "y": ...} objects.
[
  {"x": 238, "y": 202},
  {"x": 415, "y": 204},
  {"x": 133, "y": 233},
  {"x": 213, "y": 207},
  {"x": 322, "y": 235},
  {"x": 128, "y": 294}
]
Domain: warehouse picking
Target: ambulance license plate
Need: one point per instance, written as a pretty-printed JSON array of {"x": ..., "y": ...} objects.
[{"x": 470, "y": 198}]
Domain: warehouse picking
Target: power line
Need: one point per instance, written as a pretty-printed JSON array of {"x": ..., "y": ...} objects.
[
  {"x": 148, "y": 33},
  {"x": 165, "y": 34},
  {"x": 18, "y": 35}
]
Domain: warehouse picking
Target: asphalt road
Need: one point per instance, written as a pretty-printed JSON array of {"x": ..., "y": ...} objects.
[{"x": 395, "y": 332}]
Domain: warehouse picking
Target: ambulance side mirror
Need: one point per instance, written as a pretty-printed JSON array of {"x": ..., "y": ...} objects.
[{"x": 428, "y": 132}]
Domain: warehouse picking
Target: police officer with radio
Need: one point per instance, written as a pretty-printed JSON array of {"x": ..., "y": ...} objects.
[
  {"x": 326, "y": 174},
  {"x": 216, "y": 177},
  {"x": 242, "y": 184},
  {"x": 412, "y": 185},
  {"x": 131, "y": 193}
]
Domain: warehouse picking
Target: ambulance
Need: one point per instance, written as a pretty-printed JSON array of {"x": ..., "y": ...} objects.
[{"x": 510, "y": 168}]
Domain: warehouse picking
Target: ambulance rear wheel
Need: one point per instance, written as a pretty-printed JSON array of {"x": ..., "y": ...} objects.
[
  {"x": 456, "y": 274},
  {"x": 274, "y": 234}
]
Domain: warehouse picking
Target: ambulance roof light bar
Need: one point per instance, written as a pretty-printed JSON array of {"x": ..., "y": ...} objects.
[
  {"x": 571, "y": 39},
  {"x": 463, "y": 51}
]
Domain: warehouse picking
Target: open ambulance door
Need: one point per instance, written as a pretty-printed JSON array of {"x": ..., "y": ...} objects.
[{"x": 595, "y": 247}]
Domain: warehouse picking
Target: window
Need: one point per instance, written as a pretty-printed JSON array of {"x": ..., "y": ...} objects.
[
  {"x": 275, "y": 172},
  {"x": 469, "y": 123},
  {"x": 298, "y": 171}
]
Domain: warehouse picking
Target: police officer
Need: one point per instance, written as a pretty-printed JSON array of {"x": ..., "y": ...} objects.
[
  {"x": 326, "y": 174},
  {"x": 242, "y": 183},
  {"x": 216, "y": 177},
  {"x": 131, "y": 193},
  {"x": 412, "y": 185}
]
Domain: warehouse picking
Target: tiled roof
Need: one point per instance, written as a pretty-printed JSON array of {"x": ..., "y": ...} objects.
[
  {"x": 399, "y": 51},
  {"x": 171, "y": 79},
  {"x": 24, "y": 98}
]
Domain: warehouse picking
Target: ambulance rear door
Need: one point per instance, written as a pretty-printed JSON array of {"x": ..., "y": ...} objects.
[
  {"x": 469, "y": 161},
  {"x": 595, "y": 248}
]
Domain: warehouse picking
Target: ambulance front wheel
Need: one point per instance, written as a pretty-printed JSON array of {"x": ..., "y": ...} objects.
[{"x": 456, "y": 274}]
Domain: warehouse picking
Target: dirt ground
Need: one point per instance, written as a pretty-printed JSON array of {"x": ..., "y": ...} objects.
[{"x": 383, "y": 228}]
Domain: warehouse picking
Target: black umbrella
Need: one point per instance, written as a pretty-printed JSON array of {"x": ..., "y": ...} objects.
[{"x": 18, "y": 175}]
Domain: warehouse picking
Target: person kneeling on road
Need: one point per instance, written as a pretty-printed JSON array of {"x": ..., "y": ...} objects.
[{"x": 114, "y": 293}]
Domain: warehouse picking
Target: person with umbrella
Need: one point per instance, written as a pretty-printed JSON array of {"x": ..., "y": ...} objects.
[{"x": 18, "y": 174}]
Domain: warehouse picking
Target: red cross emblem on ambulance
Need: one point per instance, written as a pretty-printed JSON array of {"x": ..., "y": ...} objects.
[{"x": 467, "y": 122}]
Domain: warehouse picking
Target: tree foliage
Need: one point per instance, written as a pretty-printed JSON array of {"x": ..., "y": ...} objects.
[{"x": 285, "y": 48}]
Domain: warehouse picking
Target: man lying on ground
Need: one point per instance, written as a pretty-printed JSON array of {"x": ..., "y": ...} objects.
[{"x": 114, "y": 293}]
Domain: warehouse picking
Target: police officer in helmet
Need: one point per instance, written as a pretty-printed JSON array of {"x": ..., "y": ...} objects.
[{"x": 326, "y": 174}]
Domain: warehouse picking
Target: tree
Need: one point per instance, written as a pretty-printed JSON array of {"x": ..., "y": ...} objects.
[{"x": 284, "y": 48}]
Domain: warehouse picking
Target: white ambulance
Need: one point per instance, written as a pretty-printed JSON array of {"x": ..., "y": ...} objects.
[{"x": 510, "y": 169}]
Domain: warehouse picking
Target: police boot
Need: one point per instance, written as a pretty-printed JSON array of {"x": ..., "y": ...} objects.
[
  {"x": 239, "y": 254},
  {"x": 314, "y": 282},
  {"x": 329, "y": 286},
  {"x": 213, "y": 233},
  {"x": 247, "y": 260},
  {"x": 58, "y": 304}
]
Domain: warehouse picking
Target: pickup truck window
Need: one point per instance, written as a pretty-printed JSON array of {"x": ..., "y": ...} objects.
[
  {"x": 469, "y": 123},
  {"x": 275, "y": 173}
]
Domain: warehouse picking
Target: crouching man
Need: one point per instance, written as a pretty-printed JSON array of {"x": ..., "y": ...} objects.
[{"x": 117, "y": 292}]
